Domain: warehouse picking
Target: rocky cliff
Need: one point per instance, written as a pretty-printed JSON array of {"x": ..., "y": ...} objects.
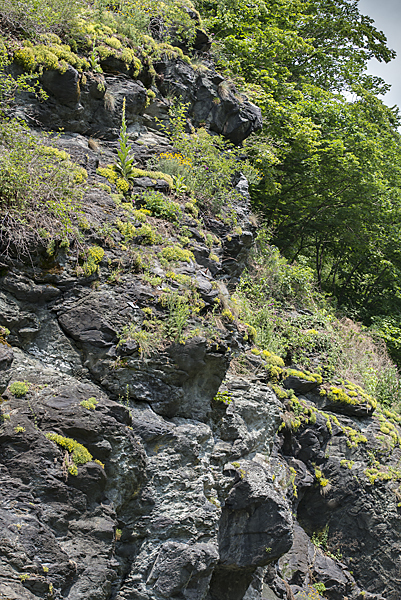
[{"x": 154, "y": 466}]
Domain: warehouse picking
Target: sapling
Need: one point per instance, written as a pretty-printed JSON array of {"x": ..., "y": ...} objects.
[
  {"x": 125, "y": 159},
  {"x": 94, "y": 59}
]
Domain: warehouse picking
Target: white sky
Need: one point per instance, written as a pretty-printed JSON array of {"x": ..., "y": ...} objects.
[{"x": 387, "y": 16}]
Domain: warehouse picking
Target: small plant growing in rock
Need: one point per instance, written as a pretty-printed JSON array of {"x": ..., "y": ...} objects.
[
  {"x": 292, "y": 481},
  {"x": 323, "y": 482},
  {"x": 148, "y": 341},
  {"x": 320, "y": 539},
  {"x": 175, "y": 253},
  {"x": 223, "y": 397},
  {"x": 94, "y": 59},
  {"x": 124, "y": 164},
  {"x": 118, "y": 535},
  {"x": 178, "y": 314},
  {"x": 19, "y": 388},
  {"x": 227, "y": 314},
  {"x": 4, "y": 332},
  {"x": 94, "y": 257},
  {"x": 319, "y": 587},
  {"x": 90, "y": 403},
  {"x": 179, "y": 185},
  {"x": 250, "y": 333},
  {"x": 159, "y": 206},
  {"x": 19, "y": 429},
  {"x": 80, "y": 455}
]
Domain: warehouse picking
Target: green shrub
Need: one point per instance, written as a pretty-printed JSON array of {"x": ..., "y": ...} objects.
[
  {"x": 206, "y": 163},
  {"x": 94, "y": 256},
  {"x": 19, "y": 388},
  {"x": 4, "y": 333},
  {"x": 140, "y": 215},
  {"x": 112, "y": 175},
  {"x": 9, "y": 84},
  {"x": 134, "y": 17},
  {"x": 39, "y": 193},
  {"x": 306, "y": 376},
  {"x": 179, "y": 311},
  {"x": 225, "y": 398},
  {"x": 127, "y": 229},
  {"x": 90, "y": 403},
  {"x": 160, "y": 206},
  {"x": 80, "y": 455},
  {"x": 31, "y": 17},
  {"x": 350, "y": 394},
  {"x": 147, "y": 235},
  {"x": 148, "y": 341},
  {"x": 176, "y": 253},
  {"x": 52, "y": 56},
  {"x": 272, "y": 359},
  {"x": 268, "y": 297},
  {"x": 192, "y": 209},
  {"x": 388, "y": 328},
  {"x": 125, "y": 158}
]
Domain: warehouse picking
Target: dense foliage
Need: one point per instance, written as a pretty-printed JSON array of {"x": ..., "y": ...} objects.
[
  {"x": 331, "y": 195},
  {"x": 325, "y": 171},
  {"x": 40, "y": 191}
]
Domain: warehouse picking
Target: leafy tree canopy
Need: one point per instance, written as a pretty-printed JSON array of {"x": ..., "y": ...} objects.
[{"x": 330, "y": 150}]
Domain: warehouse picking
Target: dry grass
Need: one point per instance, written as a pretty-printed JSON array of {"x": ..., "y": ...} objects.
[
  {"x": 359, "y": 351},
  {"x": 39, "y": 193},
  {"x": 94, "y": 144},
  {"x": 109, "y": 102},
  {"x": 364, "y": 360}
]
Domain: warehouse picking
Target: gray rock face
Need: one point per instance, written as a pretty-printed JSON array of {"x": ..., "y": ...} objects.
[
  {"x": 197, "y": 494},
  {"x": 255, "y": 529},
  {"x": 92, "y": 107},
  {"x": 216, "y": 106},
  {"x": 64, "y": 87},
  {"x": 183, "y": 568},
  {"x": 305, "y": 563},
  {"x": 161, "y": 518},
  {"x": 45, "y": 510},
  {"x": 124, "y": 473},
  {"x": 346, "y": 515},
  {"x": 92, "y": 104}
]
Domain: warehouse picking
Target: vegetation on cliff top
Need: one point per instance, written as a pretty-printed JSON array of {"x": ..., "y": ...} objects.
[
  {"x": 332, "y": 197},
  {"x": 324, "y": 172}
]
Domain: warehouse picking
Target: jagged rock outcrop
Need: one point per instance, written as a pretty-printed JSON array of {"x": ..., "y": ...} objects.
[
  {"x": 91, "y": 104},
  {"x": 191, "y": 479}
]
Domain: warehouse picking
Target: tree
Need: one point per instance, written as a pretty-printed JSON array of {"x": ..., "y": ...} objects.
[{"x": 330, "y": 150}]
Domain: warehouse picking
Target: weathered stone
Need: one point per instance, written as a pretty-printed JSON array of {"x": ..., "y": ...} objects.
[
  {"x": 6, "y": 356},
  {"x": 299, "y": 384},
  {"x": 235, "y": 119},
  {"x": 356, "y": 409},
  {"x": 255, "y": 529},
  {"x": 25, "y": 289},
  {"x": 62, "y": 86},
  {"x": 183, "y": 569},
  {"x": 255, "y": 517},
  {"x": 197, "y": 493}
]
